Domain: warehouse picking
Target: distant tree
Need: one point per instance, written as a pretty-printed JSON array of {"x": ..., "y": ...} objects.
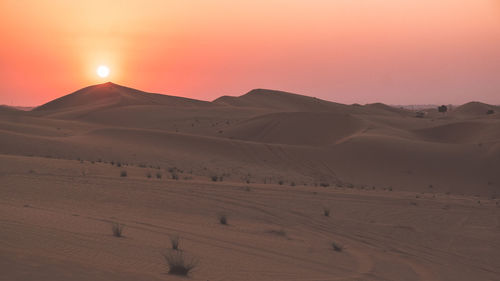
[
  {"x": 443, "y": 108},
  {"x": 490, "y": 111}
]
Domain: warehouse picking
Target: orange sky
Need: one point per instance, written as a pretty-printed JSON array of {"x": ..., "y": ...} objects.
[{"x": 392, "y": 51}]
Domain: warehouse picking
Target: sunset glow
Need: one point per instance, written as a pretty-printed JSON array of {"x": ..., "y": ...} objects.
[
  {"x": 103, "y": 71},
  {"x": 391, "y": 51}
]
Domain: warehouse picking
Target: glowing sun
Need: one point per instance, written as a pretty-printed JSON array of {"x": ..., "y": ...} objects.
[{"x": 103, "y": 71}]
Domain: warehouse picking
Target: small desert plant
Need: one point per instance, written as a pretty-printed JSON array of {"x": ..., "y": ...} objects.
[
  {"x": 148, "y": 175},
  {"x": 178, "y": 264},
  {"x": 326, "y": 212},
  {"x": 279, "y": 232},
  {"x": 281, "y": 182},
  {"x": 214, "y": 178},
  {"x": 118, "y": 164},
  {"x": 222, "y": 219},
  {"x": 174, "y": 241},
  {"x": 158, "y": 175},
  {"x": 324, "y": 184},
  {"x": 175, "y": 176},
  {"x": 123, "y": 173},
  {"x": 117, "y": 229},
  {"x": 337, "y": 247}
]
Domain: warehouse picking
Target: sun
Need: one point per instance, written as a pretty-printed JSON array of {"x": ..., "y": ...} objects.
[{"x": 103, "y": 71}]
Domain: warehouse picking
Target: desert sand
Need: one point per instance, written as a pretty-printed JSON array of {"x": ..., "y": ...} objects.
[{"x": 409, "y": 198}]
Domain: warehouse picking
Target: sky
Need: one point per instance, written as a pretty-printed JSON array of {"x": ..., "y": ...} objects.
[{"x": 348, "y": 51}]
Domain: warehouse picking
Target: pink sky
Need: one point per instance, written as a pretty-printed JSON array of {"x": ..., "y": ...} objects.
[{"x": 349, "y": 51}]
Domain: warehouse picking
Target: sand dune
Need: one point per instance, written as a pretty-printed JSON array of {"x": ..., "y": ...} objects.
[
  {"x": 112, "y": 95},
  {"x": 297, "y": 128},
  {"x": 473, "y": 109},
  {"x": 411, "y": 198},
  {"x": 6, "y": 108},
  {"x": 278, "y": 100}
]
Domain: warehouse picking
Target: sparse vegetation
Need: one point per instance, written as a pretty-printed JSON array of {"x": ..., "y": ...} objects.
[
  {"x": 175, "y": 176},
  {"x": 337, "y": 247},
  {"x": 326, "y": 212},
  {"x": 117, "y": 229},
  {"x": 214, "y": 178},
  {"x": 148, "y": 175},
  {"x": 178, "y": 264},
  {"x": 324, "y": 184},
  {"x": 174, "y": 241},
  {"x": 280, "y": 182},
  {"x": 490, "y": 111},
  {"x": 123, "y": 173},
  {"x": 118, "y": 164},
  {"x": 158, "y": 175}
]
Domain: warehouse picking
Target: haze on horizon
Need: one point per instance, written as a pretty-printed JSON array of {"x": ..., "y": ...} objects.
[{"x": 391, "y": 51}]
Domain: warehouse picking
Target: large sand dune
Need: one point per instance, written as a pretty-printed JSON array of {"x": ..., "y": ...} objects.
[{"x": 411, "y": 198}]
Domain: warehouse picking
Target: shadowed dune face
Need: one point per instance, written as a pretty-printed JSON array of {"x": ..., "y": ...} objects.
[
  {"x": 297, "y": 128},
  {"x": 410, "y": 198},
  {"x": 472, "y": 132}
]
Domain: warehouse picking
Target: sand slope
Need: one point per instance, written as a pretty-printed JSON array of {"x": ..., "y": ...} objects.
[{"x": 56, "y": 216}]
